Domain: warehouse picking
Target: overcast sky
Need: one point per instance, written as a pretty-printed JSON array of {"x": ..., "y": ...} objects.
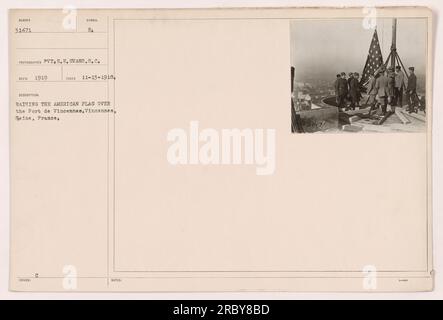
[{"x": 332, "y": 46}]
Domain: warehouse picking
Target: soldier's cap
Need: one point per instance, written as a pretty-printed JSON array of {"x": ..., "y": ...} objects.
[
  {"x": 411, "y": 68},
  {"x": 343, "y": 74},
  {"x": 351, "y": 73},
  {"x": 356, "y": 74},
  {"x": 398, "y": 67},
  {"x": 338, "y": 75}
]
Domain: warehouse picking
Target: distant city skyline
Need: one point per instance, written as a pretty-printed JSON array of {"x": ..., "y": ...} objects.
[{"x": 327, "y": 47}]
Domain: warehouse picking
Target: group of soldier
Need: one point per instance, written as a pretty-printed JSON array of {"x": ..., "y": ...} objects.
[
  {"x": 348, "y": 89},
  {"x": 386, "y": 86}
]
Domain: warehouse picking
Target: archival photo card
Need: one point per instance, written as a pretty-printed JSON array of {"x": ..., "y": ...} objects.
[{"x": 159, "y": 150}]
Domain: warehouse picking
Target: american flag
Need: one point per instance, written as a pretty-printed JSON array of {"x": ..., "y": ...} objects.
[{"x": 374, "y": 60}]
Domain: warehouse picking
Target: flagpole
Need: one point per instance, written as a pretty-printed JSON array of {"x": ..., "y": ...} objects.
[{"x": 394, "y": 42}]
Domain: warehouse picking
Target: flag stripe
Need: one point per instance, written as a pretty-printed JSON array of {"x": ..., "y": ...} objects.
[{"x": 374, "y": 60}]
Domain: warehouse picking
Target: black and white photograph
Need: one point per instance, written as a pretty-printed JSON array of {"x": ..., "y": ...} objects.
[{"x": 357, "y": 75}]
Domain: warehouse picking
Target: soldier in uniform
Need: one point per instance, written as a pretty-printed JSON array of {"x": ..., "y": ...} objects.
[
  {"x": 381, "y": 87},
  {"x": 391, "y": 88},
  {"x": 372, "y": 92},
  {"x": 411, "y": 90},
  {"x": 336, "y": 88},
  {"x": 399, "y": 86},
  {"x": 359, "y": 88},
  {"x": 353, "y": 91},
  {"x": 350, "y": 76},
  {"x": 342, "y": 89}
]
